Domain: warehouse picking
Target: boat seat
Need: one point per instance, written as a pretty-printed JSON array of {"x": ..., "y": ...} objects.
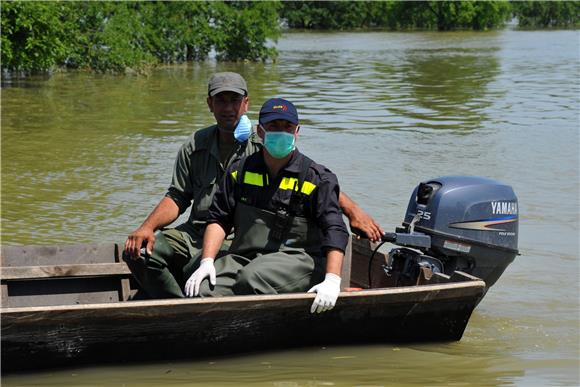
[{"x": 57, "y": 275}]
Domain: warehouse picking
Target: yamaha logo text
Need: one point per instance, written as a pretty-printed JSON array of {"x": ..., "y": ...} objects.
[{"x": 504, "y": 208}]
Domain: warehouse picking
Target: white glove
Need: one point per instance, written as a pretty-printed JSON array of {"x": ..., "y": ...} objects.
[
  {"x": 206, "y": 269},
  {"x": 326, "y": 293}
]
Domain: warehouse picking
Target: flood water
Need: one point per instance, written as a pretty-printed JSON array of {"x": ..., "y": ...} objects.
[{"x": 86, "y": 157}]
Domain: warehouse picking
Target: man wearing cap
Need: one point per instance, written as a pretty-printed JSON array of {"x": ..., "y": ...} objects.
[
  {"x": 200, "y": 163},
  {"x": 157, "y": 255},
  {"x": 289, "y": 232}
]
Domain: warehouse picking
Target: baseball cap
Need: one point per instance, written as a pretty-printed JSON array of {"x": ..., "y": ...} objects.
[
  {"x": 226, "y": 81},
  {"x": 278, "y": 109}
]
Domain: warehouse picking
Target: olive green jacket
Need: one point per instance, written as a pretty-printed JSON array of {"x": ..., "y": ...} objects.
[{"x": 198, "y": 169}]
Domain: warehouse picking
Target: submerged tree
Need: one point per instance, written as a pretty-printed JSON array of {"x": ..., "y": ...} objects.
[
  {"x": 33, "y": 35},
  {"x": 449, "y": 15},
  {"x": 396, "y": 15},
  {"x": 547, "y": 13},
  {"x": 113, "y": 36}
]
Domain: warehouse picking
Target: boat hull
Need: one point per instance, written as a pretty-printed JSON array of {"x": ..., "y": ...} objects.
[{"x": 187, "y": 328}]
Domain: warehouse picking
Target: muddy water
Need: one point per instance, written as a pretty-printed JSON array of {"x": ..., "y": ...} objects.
[{"x": 86, "y": 157}]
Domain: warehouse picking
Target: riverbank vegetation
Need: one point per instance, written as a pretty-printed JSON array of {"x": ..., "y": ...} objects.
[
  {"x": 429, "y": 15},
  {"x": 397, "y": 15},
  {"x": 119, "y": 36},
  {"x": 127, "y": 36}
]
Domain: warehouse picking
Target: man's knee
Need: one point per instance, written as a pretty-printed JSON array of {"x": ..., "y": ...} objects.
[
  {"x": 219, "y": 290},
  {"x": 135, "y": 265},
  {"x": 249, "y": 280},
  {"x": 162, "y": 249},
  {"x": 205, "y": 290},
  {"x": 160, "y": 255},
  {"x": 154, "y": 272}
]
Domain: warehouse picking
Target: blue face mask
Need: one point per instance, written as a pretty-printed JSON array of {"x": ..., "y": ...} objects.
[
  {"x": 244, "y": 129},
  {"x": 279, "y": 144}
]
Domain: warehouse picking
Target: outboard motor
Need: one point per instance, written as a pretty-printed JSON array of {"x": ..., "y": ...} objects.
[{"x": 461, "y": 223}]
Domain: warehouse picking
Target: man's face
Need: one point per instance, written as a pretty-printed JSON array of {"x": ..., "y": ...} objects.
[{"x": 227, "y": 108}]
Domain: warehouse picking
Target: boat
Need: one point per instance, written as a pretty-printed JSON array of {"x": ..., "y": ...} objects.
[
  {"x": 72, "y": 305},
  {"x": 65, "y": 306}
]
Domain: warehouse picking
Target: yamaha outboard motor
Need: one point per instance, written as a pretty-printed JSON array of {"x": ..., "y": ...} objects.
[{"x": 460, "y": 223}]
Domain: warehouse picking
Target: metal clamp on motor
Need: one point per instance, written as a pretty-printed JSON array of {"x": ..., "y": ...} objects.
[{"x": 416, "y": 239}]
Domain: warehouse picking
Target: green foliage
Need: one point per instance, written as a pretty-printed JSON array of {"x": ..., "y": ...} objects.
[
  {"x": 396, "y": 15},
  {"x": 547, "y": 14},
  {"x": 329, "y": 15},
  {"x": 33, "y": 36},
  {"x": 114, "y": 36},
  {"x": 243, "y": 28},
  {"x": 490, "y": 14},
  {"x": 108, "y": 37},
  {"x": 178, "y": 31},
  {"x": 450, "y": 15}
]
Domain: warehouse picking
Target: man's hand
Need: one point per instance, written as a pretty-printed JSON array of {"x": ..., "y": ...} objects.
[
  {"x": 326, "y": 293},
  {"x": 206, "y": 269},
  {"x": 360, "y": 221},
  {"x": 135, "y": 241}
]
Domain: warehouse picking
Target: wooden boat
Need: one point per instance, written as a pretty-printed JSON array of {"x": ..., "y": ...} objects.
[{"x": 72, "y": 305}]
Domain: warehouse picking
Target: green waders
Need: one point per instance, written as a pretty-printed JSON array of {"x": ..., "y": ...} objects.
[
  {"x": 175, "y": 253},
  {"x": 257, "y": 263}
]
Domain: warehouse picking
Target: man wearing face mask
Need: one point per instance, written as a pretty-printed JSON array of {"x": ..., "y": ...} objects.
[
  {"x": 289, "y": 232},
  {"x": 158, "y": 256}
]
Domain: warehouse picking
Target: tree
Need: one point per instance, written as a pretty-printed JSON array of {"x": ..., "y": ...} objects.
[
  {"x": 33, "y": 35},
  {"x": 547, "y": 14},
  {"x": 113, "y": 36},
  {"x": 396, "y": 15},
  {"x": 450, "y": 15},
  {"x": 242, "y": 29}
]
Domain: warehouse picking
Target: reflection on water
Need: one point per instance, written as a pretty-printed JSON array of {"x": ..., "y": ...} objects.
[
  {"x": 448, "y": 88},
  {"x": 86, "y": 157}
]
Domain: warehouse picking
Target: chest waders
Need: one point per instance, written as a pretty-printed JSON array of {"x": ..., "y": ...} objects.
[
  {"x": 262, "y": 231},
  {"x": 173, "y": 259},
  {"x": 152, "y": 272},
  {"x": 272, "y": 252}
]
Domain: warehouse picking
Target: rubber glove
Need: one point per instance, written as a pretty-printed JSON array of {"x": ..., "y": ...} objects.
[
  {"x": 326, "y": 293},
  {"x": 206, "y": 269},
  {"x": 243, "y": 129}
]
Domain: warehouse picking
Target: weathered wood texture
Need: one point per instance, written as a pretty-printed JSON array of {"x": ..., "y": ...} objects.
[
  {"x": 362, "y": 250},
  {"x": 346, "y": 266},
  {"x": 81, "y": 270},
  {"x": 57, "y": 265},
  {"x": 63, "y": 275},
  {"x": 169, "y": 329},
  {"x": 15, "y": 256}
]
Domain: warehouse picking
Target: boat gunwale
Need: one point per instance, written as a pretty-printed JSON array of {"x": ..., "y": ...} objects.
[{"x": 247, "y": 299}]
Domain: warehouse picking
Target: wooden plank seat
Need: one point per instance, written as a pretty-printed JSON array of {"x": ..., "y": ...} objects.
[
  {"x": 59, "y": 275},
  {"x": 75, "y": 270}
]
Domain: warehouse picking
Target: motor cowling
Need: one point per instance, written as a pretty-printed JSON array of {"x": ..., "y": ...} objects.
[{"x": 472, "y": 222}]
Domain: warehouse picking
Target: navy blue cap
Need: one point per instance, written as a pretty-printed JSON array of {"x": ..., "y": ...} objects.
[{"x": 278, "y": 109}]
